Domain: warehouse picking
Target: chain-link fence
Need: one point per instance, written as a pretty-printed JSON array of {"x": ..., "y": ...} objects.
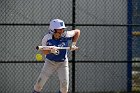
[{"x": 100, "y": 65}]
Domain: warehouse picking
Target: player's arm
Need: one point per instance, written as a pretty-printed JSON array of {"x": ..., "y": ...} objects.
[
  {"x": 44, "y": 43},
  {"x": 52, "y": 50},
  {"x": 45, "y": 52},
  {"x": 76, "y": 36}
]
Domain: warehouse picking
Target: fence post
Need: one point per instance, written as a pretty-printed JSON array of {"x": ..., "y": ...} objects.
[
  {"x": 73, "y": 53},
  {"x": 129, "y": 46}
]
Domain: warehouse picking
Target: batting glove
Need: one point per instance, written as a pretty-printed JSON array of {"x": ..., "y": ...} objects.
[
  {"x": 55, "y": 51},
  {"x": 73, "y": 46}
]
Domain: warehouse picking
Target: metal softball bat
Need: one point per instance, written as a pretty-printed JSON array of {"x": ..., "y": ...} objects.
[{"x": 52, "y": 47}]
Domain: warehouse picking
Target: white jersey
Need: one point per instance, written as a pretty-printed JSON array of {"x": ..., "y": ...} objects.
[{"x": 62, "y": 42}]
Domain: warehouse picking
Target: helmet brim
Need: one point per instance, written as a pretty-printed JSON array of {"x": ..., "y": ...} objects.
[{"x": 62, "y": 28}]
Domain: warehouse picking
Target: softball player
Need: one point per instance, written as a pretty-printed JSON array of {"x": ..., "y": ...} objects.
[{"x": 57, "y": 60}]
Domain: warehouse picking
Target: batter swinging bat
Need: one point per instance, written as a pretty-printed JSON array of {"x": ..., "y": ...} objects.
[{"x": 51, "y": 47}]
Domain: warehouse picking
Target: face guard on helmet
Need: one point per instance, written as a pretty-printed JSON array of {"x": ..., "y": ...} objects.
[{"x": 56, "y": 24}]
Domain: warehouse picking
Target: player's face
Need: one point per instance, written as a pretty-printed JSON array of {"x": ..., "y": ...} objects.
[{"x": 60, "y": 31}]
